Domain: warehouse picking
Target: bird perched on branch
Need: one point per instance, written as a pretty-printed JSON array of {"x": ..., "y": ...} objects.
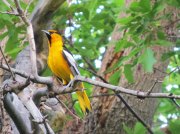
[{"x": 63, "y": 65}]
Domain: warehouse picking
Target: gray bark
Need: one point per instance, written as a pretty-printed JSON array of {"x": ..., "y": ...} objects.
[
  {"x": 109, "y": 113},
  {"x": 41, "y": 15}
]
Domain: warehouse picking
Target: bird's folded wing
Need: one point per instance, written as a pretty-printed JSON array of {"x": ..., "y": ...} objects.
[{"x": 71, "y": 62}]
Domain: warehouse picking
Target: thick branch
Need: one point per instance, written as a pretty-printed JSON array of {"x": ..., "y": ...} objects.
[
  {"x": 41, "y": 80},
  {"x": 126, "y": 91},
  {"x": 20, "y": 114},
  {"x": 117, "y": 89},
  {"x": 41, "y": 19}
]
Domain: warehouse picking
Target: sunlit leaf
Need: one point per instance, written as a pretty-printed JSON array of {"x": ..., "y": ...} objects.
[
  {"x": 127, "y": 129},
  {"x": 128, "y": 73},
  {"x": 147, "y": 59},
  {"x": 145, "y": 5},
  {"x": 174, "y": 126},
  {"x": 114, "y": 79},
  {"x": 163, "y": 43},
  {"x": 139, "y": 129}
]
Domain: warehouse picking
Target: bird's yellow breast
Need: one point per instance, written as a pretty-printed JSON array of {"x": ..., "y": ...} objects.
[{"x": 58, "y": 64}]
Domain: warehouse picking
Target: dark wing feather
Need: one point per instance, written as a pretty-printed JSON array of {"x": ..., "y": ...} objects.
[{"x": 71, "y": 62}]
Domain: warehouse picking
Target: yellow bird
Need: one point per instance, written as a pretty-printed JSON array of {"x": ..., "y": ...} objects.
[{"x": 63, "y": 65}]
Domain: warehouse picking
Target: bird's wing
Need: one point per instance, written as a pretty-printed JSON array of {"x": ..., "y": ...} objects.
[{"x": 71, "y": 62}]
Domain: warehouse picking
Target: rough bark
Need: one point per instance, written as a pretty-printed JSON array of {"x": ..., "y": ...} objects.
[
  {"x": 109, "y": 113},
  {"x": 44, "y": 10}
]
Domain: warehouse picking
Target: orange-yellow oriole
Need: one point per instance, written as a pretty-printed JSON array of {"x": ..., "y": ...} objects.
[{"x": 63, "y": 65}]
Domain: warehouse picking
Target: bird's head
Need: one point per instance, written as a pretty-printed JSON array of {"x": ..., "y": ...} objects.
[{"x": 53, "y": 36}]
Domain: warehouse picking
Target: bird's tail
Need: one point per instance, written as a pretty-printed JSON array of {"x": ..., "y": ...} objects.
[{"x": 83, "y": 100}]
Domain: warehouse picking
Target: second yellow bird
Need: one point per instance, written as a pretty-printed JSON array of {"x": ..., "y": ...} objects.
[{"x": 63, "y": 65}]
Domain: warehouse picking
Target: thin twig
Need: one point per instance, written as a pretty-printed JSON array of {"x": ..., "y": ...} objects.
[
  {"x": 150, "y": 90},
  {"x": 21, "y": 13},
  {"x": 71, "y": 113},
  {"x": 30, "y": 38},
  {"x": 173, "y": 71},
  {"x": 130, "y": 109},
  {"x": 99, "y": 95},
  {"x": 43, "y": 122},
  {"x": 48, "y": 81},
  {"x": 9, "y": 13},
  {"x": 90, "y": 66},
  {"x": 135, "y": 114},
  {"x": 12, "y": 74},
  {"x": 171, "y": 23},
  {"x": 126, "y": 104},
  {"x": 45, "y": 125},
  {"x": 175, "y": 60},
  {"x": 8, "y": 5},
  {"x": 176, "y": 103},
  {"x": 42, "y": 80},
  {"x": 94, "y": 73},
  {"x": 30, "y": 35},
  {"x": 70, "y": 25},
  {"x": 125, "y": 90},
  {"x": 14, "y": 86},
  {"x": 165, "y": 72},
  {"x": 29, "y": 3},
  {"x": 103, "y": 95}
]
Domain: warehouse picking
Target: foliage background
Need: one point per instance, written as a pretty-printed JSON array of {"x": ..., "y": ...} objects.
[{"x": 91, "y": 24}]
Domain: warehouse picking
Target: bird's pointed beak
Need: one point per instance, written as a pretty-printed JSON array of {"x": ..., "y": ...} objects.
[{"x": 48, "y": 34}]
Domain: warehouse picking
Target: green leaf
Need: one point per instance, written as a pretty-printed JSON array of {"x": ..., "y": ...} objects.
[
  {"x": 100, "y": 17},
  {"x": 15, "y": 50},
  {"x": 161, "y": 35},
  {"x": 114, "y": 78},
  {"x": 174, "y": 79},
  {"x": 158, "y": 131},
  {"x": 78, "y": 109},
  {"x": 174, "y": 126},
  {"x": 135, "y": 7},
  {"x": 2, "y": 36},
  {"x": 76, "y": 105},
  {"x": 47, "y": 72},
  {"x": 119, "y": 3},
  {"x": 120, "y": 45},
  {"x": 88, "y": 88},
  {"x": 127, "y": 129},
  {"x": 175, "y": 3},
  {"x": 97, "y": 24},
  {"x": 167, "y": 55},
  {"x": 123, "y": 59},
  {"x": 178, "y": 43},
  {"x": 125, "y": 20},
  {"x": 145, "y": 5},
  {"x": 162, "y": 43},
  {"x": 86, "y": 13},
  {"x": 128, "y": 73},
  {"x": 139, "y": 129},
  {"x": 147, "y": 59}
]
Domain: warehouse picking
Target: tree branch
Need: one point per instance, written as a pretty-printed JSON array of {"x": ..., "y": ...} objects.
[
  {"x": 41, "y": 80},
  {"x": 9, "y": 13},
  {"x": 117, "y": 89},
  {"x": 21, "y": 12},
  {"x": 41, "y": 18},
  {"x": 12, "y": 74},
  {"x": 18, "y": 113}
]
